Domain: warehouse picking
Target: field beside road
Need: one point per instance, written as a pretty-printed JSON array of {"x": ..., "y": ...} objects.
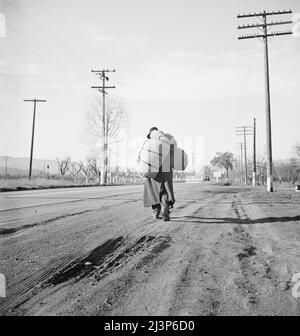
[
  {"x": 228, "y": 250},
  {"x": 18, "y": 184},
  {"x": 21, "y": 184}
]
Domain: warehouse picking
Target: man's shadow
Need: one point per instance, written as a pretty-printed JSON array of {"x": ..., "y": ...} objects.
[{"x": 229, "y": 220}]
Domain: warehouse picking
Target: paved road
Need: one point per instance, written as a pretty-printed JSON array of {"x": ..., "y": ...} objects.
[
  {"x": 97, "y": 251},
  {"x": 23, "y": 199}
]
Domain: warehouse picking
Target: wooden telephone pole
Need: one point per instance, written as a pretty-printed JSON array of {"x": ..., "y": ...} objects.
[
  {"x": 244, "y": 131},
  {"x": 264, "y": 34},
  {"x": 254, "y": 177},
  {"x": 102, "y": 89},
  {"x": 33, "y": 127},
  {"x": 240, "y": 147}
]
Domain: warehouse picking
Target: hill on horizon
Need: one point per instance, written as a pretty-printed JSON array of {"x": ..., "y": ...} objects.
[{"x": 20, "y": 166}]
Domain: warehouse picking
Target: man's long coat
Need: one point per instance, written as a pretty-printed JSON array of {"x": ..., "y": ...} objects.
[{"x": 153, "y": 188}]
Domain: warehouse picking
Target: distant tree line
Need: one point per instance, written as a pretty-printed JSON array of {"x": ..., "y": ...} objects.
[
  {"x": 287, "y": 171},
  {"x": 90, "y": 171}
]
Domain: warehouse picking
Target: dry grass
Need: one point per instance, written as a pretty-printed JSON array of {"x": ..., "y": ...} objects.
[{"x": 37, "y": 183}]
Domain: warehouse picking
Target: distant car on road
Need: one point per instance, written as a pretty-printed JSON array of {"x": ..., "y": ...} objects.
[{"x": 206, "y": 179}]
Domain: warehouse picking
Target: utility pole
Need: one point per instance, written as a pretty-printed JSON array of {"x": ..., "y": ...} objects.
[
  {"x": 33, "y": 127},
  {"x": 244, "y": 131},
  {"x": 264, "y": 34},
  {"x": 245, "y": 158},
  {"x": 193, "y": 157},
  {"x": 254, "y": 182},
  {"x": 6, "y": 167},
  {"x": 102, "y": 74},
  {"x": 240, "y": 144}
]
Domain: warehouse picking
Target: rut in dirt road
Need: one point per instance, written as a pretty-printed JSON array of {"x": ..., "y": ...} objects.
[
  {"x": 7, "y": 231},
  {"x": 98, "y": 263},
  {"x": 110, "y": 256}
]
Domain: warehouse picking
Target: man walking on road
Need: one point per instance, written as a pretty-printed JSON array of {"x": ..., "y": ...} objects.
[{"x": 158, "y": 185}]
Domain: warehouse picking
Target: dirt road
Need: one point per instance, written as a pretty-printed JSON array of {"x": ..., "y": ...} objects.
[{"x": 226, "y": 251}]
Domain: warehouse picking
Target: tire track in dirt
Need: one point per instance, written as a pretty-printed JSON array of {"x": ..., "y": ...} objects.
[
  {"x": 197, "y": 289},
  {"x": 55, "y": 272},
  {"x": 97, "y": 264},
  {"x": 8, "y": 231},
  {"x": 145, "y": 249},
  {"x": 121, "y": 272},
  {"x": 273, "y": 267},
  {"x": 143, "y": 254},
  {"x": 81, "y": 268},
  {"x": 152, "y": 262},
  {"x": 258, "y": 278},
  {"x": 223, "y": 270},
  {"x": 212, "y": 278},
  {"x": 21, "y": 291},
  {"x": 188, "y": 206},
  {"x": 141, "y": 267},
  {"x": 245, "y": 244},
  {"x": 203, "y": 286}
]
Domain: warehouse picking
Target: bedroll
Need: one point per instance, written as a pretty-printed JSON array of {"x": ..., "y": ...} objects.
[{"x": 161, "y": 154}]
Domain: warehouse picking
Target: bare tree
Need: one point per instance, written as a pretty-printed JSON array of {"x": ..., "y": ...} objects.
[
  {"x": 293, "y": 169},
  {"x": 297, "y": 151},
  {"x": 74, "y": 170},
  {"x": 297, "y": 148},
  {"x": 116, "y": 120},
  {"x": 261, "y": 163},
  {"x": 87, "y": 170},
  {"x": 95, "y": 168},
  {"x": 63, "y": 165}
]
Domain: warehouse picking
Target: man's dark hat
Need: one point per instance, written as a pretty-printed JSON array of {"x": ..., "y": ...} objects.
[{"x": 152, "y": 129}]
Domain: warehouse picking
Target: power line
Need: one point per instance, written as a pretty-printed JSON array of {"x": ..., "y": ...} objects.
[
  {"x": 63, "y": 21},
  {"x": 265, "y": 35},
  {"x": 26, "y": 42},
  {"x": 63, "y": 18},
  {"x": 80, "y": 58},
  {"x": 41, "y": 30}
]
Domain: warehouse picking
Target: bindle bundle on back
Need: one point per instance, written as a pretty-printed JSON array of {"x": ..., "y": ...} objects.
[{"x": 160, "y": 153}]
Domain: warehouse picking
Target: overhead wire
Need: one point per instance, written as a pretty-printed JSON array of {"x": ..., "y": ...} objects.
[{"x": 33, "y": 45}]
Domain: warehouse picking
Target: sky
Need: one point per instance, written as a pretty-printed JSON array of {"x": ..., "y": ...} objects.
[{"x": 179, "y": 66}]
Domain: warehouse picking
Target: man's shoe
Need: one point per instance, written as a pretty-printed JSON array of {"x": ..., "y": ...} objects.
[
  {"x": 155, "y": 214},
  {"x": 165, "y": 213},
  {"x": 166, "y": 218}
]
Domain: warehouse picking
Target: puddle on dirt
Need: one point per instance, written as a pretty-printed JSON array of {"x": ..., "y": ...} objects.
[{"x": 94, "y": 259}]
